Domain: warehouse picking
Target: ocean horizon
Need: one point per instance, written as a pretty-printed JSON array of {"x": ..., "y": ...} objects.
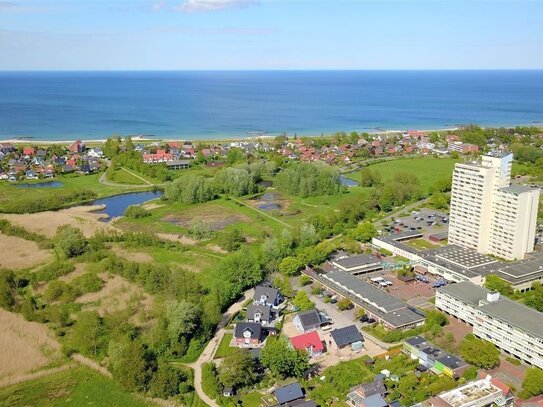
[{"x": 68, "y": 105}]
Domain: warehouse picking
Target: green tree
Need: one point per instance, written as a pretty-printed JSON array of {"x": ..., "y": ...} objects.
[
  {"x": 364, "y": 232},
  {"x": 302, "y": 301},
  {"x": 290, "y": 266},
  {"x": 231, "y": 240},
  {"x": 69, "y": 242},
  {"x": 479, "y": 352},
  {"x": 190, "y": 190},
  {"x": 129, "y": 364},
  {"x": 89, "y": 334},
  {"x": 282, "y": 360},
  {"x": 344, "y": 304},
  {"x": 532, "y": 385},
  {"x": 237, "y": 369},
  {"x": 495, "y": 283},
  {"x": 235, "y": 155},
  {"x": 182, "y": 317},
  {"x": 165, "y": 382}
]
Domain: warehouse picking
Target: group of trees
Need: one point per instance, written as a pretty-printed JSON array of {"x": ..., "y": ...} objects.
[
  {"x": 309, "y": 179},
  {"x": 532, "y": 298},
  {"x": 479, "y": 352},
  {"x": 282, "y": 360}
]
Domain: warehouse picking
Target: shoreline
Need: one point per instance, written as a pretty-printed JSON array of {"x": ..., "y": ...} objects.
[{"x": 219, "y": 139}]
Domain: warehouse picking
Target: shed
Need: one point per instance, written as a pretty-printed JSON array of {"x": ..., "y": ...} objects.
[{"x": 345, "y": 336}]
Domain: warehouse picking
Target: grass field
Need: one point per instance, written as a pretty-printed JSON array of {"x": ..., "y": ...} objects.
[
  {"x": 421, "y": 244},
  {"x": 251, "y": 399},
  {"x": 75, "y": 387},
  {"x": 10, "y": 194},
  {"x": 428, "y": 170},
  {"x": 121, "y": 176},
  {"x": 224, "y": 347}
]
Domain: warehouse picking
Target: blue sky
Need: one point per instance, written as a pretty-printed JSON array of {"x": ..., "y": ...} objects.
[{"x": 270, "y": 34}]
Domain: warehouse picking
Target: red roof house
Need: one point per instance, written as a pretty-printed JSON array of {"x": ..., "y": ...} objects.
[
  {"x": 310, "y": 341},
  {"x": 77, "y": 146},
  {"x": 28, "y": 151}
]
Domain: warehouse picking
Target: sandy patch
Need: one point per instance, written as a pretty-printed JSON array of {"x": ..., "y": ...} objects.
[
  {"x": 216, "y": 249},
  {"x": 46, "y": 223},
  {"x": 138, "y": 257},
  {"x": 19, "y": 253},
  {"x": 24, "y": 347},
  {"x": 80, "y": 269},
  {"x": 151, "y": 205},
  {"x": 183, "y": 239},
  {"x": 216, "y": 216},
  {"x": 119, "y": 294}
]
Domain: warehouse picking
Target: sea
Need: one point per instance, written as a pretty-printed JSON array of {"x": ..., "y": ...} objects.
[{"x": 235, "y": 104}]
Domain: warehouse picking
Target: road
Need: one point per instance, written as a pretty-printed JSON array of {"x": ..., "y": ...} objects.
[{"x": 209, "y": 351}]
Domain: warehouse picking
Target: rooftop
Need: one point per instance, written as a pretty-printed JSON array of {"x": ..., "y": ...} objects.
[
  {"x": 469, "y": 393},
  {"x": 518, "y": 189},
  {"x": 436, "y": 353},
  {"x": 504, "y": 309},
  {"x": 360, "y": 260},
  {"x": 346, "y": 335}
]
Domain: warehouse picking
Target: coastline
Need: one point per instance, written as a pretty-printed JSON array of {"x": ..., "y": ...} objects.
[{"x": 148, "y": 139}]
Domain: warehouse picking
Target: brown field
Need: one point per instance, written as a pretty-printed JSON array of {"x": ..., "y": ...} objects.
[
  {"x": 216, "y": 216},
  {"x": 25, "y": 347},
  {"x": 46, "y": 223},
  {"x": 119, "y": 294},
  {"x": 19, "y": 253},
  {"x": 138, "y": 257}
]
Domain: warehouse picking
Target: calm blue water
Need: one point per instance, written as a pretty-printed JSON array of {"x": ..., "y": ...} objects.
[
  {"x": 116, "y": 205},
  {"x": 57, "y": 105},
  {"x": 347, "y": 181},
  {"x": 51, "y": 184}
]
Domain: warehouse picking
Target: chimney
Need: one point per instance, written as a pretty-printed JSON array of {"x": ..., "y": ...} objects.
[{"x": 493, "y": 296}]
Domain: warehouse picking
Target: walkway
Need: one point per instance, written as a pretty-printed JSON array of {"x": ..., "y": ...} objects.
[
  {"x": 209, "y": 351},
  {"x": 261, "y": 212}
]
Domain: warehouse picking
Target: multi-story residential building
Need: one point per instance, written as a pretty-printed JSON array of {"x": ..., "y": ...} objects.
[
  {"x": 514, "y": 220},
  {"x": 489, "y": 215},
  {"x": 511, "y": 326}
]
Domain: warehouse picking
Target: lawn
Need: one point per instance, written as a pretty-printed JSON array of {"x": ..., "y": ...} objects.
[
  {"x": 75, "y": 387},
  {"x": 224, "y": 347},
  {"x": 429, "y": 170},
  {"x": 421, "y": 244},
  {"x": 251, "y": 399},
  {"x": 12, "y": 196},
  {"x": 121, "y": 176},
  {"x": 338, "y": 380}
]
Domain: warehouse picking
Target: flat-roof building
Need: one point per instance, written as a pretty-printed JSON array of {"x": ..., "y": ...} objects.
[
  {"x": 509, "y": 325},
  {"x": 359, "y": 264}
]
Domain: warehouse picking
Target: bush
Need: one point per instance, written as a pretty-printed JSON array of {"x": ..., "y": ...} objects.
[
  {"x": 532, "y": 385},
  {"x": 479, "y": 352},
  {"x": 344, "y": 304},
  {"x": 305, "y": 280},
  {"x": 136, "y": 212},
  {"x": 69, "y": 242}
]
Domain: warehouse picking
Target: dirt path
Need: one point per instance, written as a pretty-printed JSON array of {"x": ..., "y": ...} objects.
[
  {"x": 92, "y": 365},
  {"x": 261, "y": 212},
  {"x": 209, "y": 351}
]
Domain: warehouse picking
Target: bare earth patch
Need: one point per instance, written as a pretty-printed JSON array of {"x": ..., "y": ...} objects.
[
  {"x": 216, "y": 216},
  {"x": 216, "y": 249},
  {"x": 80, "y": 269},
  {"x": 183, "y": 239},
  {"x": 46, "y": 223},
  {"x": 138, "y": 257},
  {"x": 25, "y": 347},
  {"x": 119, "y": 294},
  {"x": 151, "y": 205},
  {"x": 19, "y": 253}
]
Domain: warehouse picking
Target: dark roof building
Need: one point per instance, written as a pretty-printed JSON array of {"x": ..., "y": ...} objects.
[
  {"x": 308, "y": 320},
  {"x": 267, "y": 296},
  {"x": 289, "y": 393},
  {"x": 258, "y": 313},
  {"x": 346, "y": 336},
  {"x": 252, "y": 330},
  {"x": 359, "y": 264}
]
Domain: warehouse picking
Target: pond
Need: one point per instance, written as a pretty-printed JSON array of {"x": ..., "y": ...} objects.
[
  {"x": 347, "y": 181},
  {"x": 50, "y": 184},
  {"x": 117, "y": 204},
  {"x": 268, "y": 202}
]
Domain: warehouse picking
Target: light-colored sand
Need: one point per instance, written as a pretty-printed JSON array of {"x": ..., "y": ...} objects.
[
  {"x": 119, "y": 294},
  {"x": 151, "y": 205},
  {"x": 216, "y": 249},
  {"x": 46, "y": 223},
  {"x": 25, "y": 347},
  {"x": 19, "y": 253}
]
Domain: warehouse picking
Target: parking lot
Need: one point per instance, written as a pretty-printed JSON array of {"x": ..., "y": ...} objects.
[{"x": 427, "y": 221}]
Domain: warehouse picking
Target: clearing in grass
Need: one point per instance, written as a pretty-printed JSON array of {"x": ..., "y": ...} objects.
[{"x": 19, "y": 253}]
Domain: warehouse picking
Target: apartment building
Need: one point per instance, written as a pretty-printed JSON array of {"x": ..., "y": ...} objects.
[
  {"x": 488, "y": 214},
  {"x": 509, "y": 325}
]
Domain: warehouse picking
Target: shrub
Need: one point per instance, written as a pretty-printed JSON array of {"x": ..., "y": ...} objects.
[
  {"x": 344, "y": 304},
  {"x": 136, "y": 212},
  {"x": 305, "y": 280}
]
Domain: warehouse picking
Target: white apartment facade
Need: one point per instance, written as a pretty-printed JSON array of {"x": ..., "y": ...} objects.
[
  {"x": 489, "y": 215},
  {"x": 510, "y": 326}
]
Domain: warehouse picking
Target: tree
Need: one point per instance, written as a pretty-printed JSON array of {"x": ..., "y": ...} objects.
[
  {"x": 231, "y": 240},
  {"x": 190, "y": 190},
  {"x": 532, "y": 385},
  {"x": 282, "y": 360},
  {"x": 237, "y": 369},
  {"x": 235, "y": 155},
  {"x": 364, "y": 232},
  {"x": 479, "y": 352},
  {"x": 302, "y": 301},
  {"x": 309, "y": 179},
  {"x": 165, "y": 382},
  {"x": 182, "y": 317},
  {"x": 369, "y": 178},
  {"x": 308, "y": 236},
  {"x": 290, "y": 266},
  {"x": 89, "y": 334},
  {"x": 69, "y": 242},
  {"x": 344, "y": 304},
  {"x": 129, "y": 364}
]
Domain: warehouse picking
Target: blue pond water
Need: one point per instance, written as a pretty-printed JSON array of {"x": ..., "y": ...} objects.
[
  {"x": 116, "y": 205},
  {"x": 347, "y": 182},
  {"x": 52, "y": 184}
]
